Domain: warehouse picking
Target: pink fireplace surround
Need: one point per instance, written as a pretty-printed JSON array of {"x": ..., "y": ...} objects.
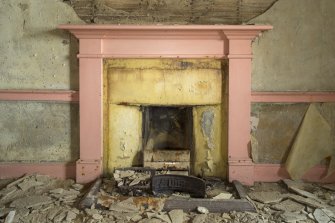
[{"x": 179, "y": 41}]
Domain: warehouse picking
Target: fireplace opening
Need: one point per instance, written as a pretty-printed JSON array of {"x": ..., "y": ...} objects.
[{"x": 167, "y": 134}]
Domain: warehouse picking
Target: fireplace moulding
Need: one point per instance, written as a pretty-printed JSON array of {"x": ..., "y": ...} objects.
[{"x": 97, "y": 42}]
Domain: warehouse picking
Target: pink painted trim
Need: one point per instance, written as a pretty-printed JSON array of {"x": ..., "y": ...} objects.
[
  {"x": 198, "y": 41},
  {"x": 39, "y": 95},
  {"x": 95, "y": 28},
  {"x": 153, "y": 56},
  {"x": 292, "y": 97},
  {"x": 276, "y": 172},
  {"x": 59, "y": 170}
]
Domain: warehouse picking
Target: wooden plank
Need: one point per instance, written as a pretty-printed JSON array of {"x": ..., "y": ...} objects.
[
  {"x": 214, "y": 206},
  {"x": 240, "y": 189},
  {"x": 90, "y": 198}
]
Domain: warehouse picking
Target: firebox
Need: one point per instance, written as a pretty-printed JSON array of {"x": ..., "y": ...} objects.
[{"x": 167, "y": 137}]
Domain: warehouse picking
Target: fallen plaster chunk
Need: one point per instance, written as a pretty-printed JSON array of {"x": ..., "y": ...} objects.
[
  {"x": 78, "y": 186},
  {"x": 289, "y": 205},
  {"x": 163, "y": 217},
  {"x": 15, "y": 182},
  {"x": 124, "y": 206},
  {"x": 307, "y": 201},
  {"x": 266, "y": 197},
  {"x": 293, "y": 217},
  {"x": 223, "y": 196},
  {"x": 202, "y": 210},
  {"x": 31, "y": 201},
  {"x": 314, "y": 142},
  {"x": 177, "y": 216},
  {"x": 200, "y": 218},
  {"x": 29, "y": 183},
  {"x": 320, "y": 216},
  {"x": 329, "y": 187},
  {"x": 10, "y": 217},
  {"x": 303, "y": 193}
]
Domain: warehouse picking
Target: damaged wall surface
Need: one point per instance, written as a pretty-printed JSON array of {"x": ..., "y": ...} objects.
[
  {"x": 169, "y": 11},
  {"x": 298, "y": 55},
  {"x": 35, "y": 55},
  {"x": 37, "y": 132}
]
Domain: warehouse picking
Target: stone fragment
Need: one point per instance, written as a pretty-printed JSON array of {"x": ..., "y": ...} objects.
[
  {"x": 307, "y": 201},
  {"x": 97, "y": 216},
  {"x": 134, "y": 182},
  {"x": 124, "y": 206},
  {"x": 29, "y": 183},
  {"x": 91, "y": 211},
  {"x": 320, "y": 216},
  {"x": 53, "y": 212},
  {"x": 10, "y": 217},
  {"x": 303, "y": 193},
  {"x": 7, "y": 193},
  {"x": 31, "y": 201},
  {"x": 223, "y": 196},
  {"x": 163, "y": 217},
  {"x": 136, "y": 218},
  {"x": 71, "y": 216},
  {"x": 329, "y": 186},
  {"x": 78, "y": 186},
  {"x": 15, "y": 182},
  {"x": 200, "y": 218},
  {"x": 225, "y": 216},
  {"x": 126, "y": 173},
  {"x": 57, "y": 191},
  {"x": 266, "y": 197},
  {"x": 330, "y": 213},
  {"x": 202, "y": 210},
  {"x": 293, "y": 217},
  {"x": 150, "y": 214},
  {"x": 152, "y": 220},
  {"x": 59, "y": 217},
  {"x": 176, "y": 216},
  {"x": 4, "y": 211},
  {"x": 289, "y": 205}
]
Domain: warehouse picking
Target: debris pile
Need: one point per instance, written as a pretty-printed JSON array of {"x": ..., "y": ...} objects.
[{"x": 37, "y": 198}]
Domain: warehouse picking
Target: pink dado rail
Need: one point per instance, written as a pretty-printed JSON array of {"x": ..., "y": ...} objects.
[{"x": 180, "y": 41}]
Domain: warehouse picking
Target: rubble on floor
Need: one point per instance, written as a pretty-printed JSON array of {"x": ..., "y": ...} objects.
[{"x": 38, "y": 198}]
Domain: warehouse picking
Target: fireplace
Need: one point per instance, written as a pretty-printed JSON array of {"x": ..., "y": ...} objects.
[
  {"x": 164, "y": 114},
  {"x": 100, "y": 42}
]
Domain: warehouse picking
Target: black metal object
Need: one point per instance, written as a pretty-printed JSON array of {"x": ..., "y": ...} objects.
[{"x": 166, "y": 184}]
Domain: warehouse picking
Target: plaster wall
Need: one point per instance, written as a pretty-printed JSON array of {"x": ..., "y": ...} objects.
[
  {"x": 37, "y": 132},
  {"x": 35, "y": 55},
  {"x": 299, "y": 53}
]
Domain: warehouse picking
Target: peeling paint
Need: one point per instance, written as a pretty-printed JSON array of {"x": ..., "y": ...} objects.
[{"x": 207, "y": 127}]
